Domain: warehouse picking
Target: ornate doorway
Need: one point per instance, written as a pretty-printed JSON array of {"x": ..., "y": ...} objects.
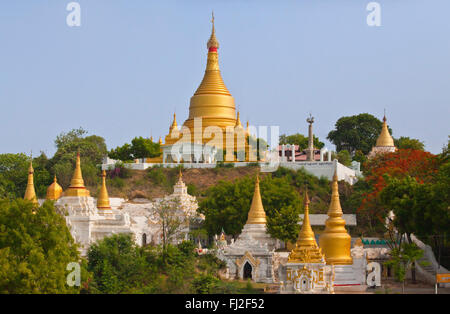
[{"x": 247, "y": 271}]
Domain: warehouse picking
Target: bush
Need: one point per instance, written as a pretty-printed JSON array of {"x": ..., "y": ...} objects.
[{"x": 157, "y": 176}]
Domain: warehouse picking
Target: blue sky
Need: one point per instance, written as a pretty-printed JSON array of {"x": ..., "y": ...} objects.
[{"x": 132, "y": 63}]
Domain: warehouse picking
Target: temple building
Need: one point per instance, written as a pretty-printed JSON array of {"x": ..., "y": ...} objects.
[
  {"x": 89, "y": 220},
  {"x": 385, "y": 142},
  {"x": 213, "y": 131},
  {"x": 306, "y": 270},
  {"x": 251, "y": 255}
]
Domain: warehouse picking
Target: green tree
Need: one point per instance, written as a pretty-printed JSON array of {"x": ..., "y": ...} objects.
[
  {"x": 14, "y": 175},
  {"x": 409, "y": 143},
  {"x": 92, "y": 150},
  {"x": 402, "y": 259},
  {"x": 344, "y": 157},
  {"x": 358, "y": 132},
  {"x": 118, "y": 265},
  {"x": 140, "y": 148},
  {"x": 300, "y": 140},
  {"x": 35, "y": 249},
  {"x": 170, "y": 220},
  {"x": 280, "y": 225},
  {"x": 226, "y": 204}
]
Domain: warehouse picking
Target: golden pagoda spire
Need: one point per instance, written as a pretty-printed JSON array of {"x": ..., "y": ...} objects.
[
  {"x": 306, "y": 249},
  {"x": 256, "y": 214},
  {"x": 151, "y": 138},
  {"x": 30, "y": 193},
  {"x": 76, "y": 187},
  {"x": 212, "y": 82},
  {"x": 54, "y": 191},
  {"x": 335, "y": 241},
  {"x": 238, "y": 121},
  {"x": 385, "y": 139},
  {"x": 306, "y": 235},
  {"x": 103, "y": 199},
  {"x": 160, "y": 140},
  {"x": 211, "y": 102},
  {"x": 174, "y": 123}
]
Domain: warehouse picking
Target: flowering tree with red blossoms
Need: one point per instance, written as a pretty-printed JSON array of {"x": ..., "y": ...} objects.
[{"x": 404, "y": 162}]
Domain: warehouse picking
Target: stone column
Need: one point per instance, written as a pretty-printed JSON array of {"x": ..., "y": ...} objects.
[
  {"x": 293, "y": 152},
  {"x": 310, "y": 150},
  {"x": 282, "y": 152}
]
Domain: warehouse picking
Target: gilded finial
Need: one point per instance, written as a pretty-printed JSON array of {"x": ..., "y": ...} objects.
[
  {"x": 212, "y": 44},
  {"x": 77, "y": 187},
  {"x": 385, "y": 139},
  {"x": 54, "y": 191},
  {"x": 256, "y": 215},
  {"x": 160, "y": 140},
  {"x": 30, "y": 193},
  {"x": 238, "y": 121},
  {"x": 103, "y": 198},
  {"x": 306, "y": 249},
  {"x": 335, "y": 241}
]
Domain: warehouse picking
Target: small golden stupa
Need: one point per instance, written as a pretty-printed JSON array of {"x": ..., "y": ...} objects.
[
  {"x": 256, "y": 214},
  {"x": 335, "y": 242},
  {"x": 103, "y": 198},
  {"x": 77, "y": 187},
  {"x": 306, "y": 249},
  {"x": 385, "y": 139},
  {"x": 54, "y": 191},
  {"x": 174, "y": 132},
  {"x": 30, "y": 193}
]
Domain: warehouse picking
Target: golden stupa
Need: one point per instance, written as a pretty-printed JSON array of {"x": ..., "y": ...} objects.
[
  {"x": 54, "y": 191},
  {"x": 335, "y": 242},
  {"x": 103, "y": 198},
  {"x": 77, "y": 187},
  {"x": 256, "y": 214},
  {"x": 213, "y": 103},
  {"x": 385, "y": 139},
  {"x": 30, "y": 193},
  {"x": 306, "y": 249}
]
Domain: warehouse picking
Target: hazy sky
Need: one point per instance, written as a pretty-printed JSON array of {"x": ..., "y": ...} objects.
[{"x": 130, "y": 64}]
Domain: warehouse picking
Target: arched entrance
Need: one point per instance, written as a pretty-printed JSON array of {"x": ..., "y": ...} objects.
[
  {"x": 247, "y": 274},
  {"x": 144, "y": 239}
]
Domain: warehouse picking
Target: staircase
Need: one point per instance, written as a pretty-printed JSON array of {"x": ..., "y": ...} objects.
[{"x": 428, "y": 272}]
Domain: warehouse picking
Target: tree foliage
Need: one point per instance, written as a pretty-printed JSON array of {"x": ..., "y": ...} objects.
[
  {"x": 35, "y": 249},
  {"x": 139, "y": 148},
  {"x": 300, "y": 140},
  {"x": 358, "y": 132},
  {"x": 414, "y": 163},
  {"x": 409, "y": 143},
  {"x": 227, "y": 204}
]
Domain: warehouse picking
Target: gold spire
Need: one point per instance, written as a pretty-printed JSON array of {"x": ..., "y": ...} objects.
[
  {"x": 212, "y": 82},
  {"x": 306, "y": 249},
  {"x": 238, "y": 121},
  {"x": 30, "y": 193},
  {"x": 160, "y": 140},
  {"x": 77, "y": 187},
  {"x": 174, "y": 123},
  {"x": 256, "y": 215},
  {"x": 103, "y": 199},
  {"x": 54, "y": 191},
  {"x": 335, "y": 241},
  {"x": 385, "y": 139},
  {"x": 151, "y": 138},
  {"x": 212, "y": 102},
  {"x": 212, "y": 42}
]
